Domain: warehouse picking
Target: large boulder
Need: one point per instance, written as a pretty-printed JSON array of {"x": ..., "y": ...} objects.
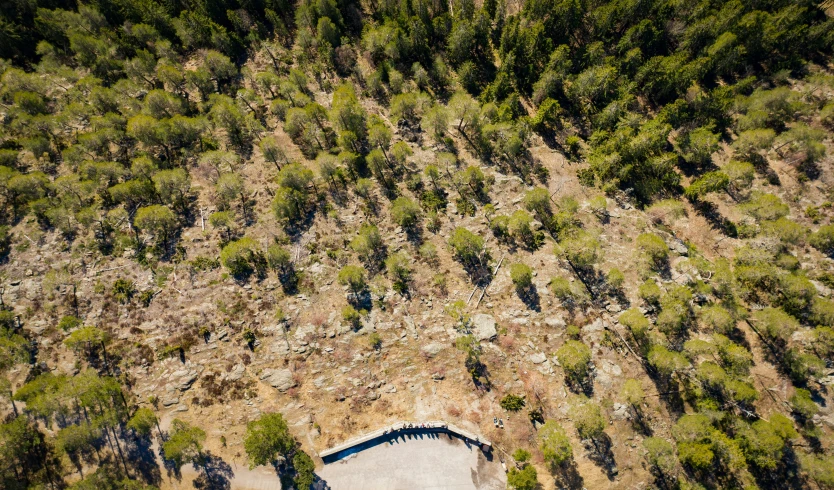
[
  {"x": 281, "y": 379},
  {"x": 184, "y": 378},
  {"x": 432, "y": 349},
  {"x": 555, "y": 322},
  {"x": 484, "y": 326},
  {"x": 305, "y": 332}
]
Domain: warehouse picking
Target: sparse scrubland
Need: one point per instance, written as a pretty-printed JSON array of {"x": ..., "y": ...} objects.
[{"x": 248, "y": 231}]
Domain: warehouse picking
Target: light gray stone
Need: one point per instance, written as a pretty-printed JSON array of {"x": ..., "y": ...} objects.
[
  {"x": 279, "y": 347},
  {"x": 281, "y": 379},
  {"x": 620, "y": 411},
  {"x": 484, "y": 326},
  {"x": 170, "y": 399},
  {"x": 184, "y": 378},
  {"x": 236, "y": 373},
  {"x": 303, "y": 332},
  {"x": 676, "y": 245},
  {"x": 432, "y": 349},
  {"x": 537, "y": 358},
  {"x": 555, "y": 322}
]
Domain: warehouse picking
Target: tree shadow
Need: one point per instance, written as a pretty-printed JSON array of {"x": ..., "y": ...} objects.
[
  {"x": 619, "y": 295},
  {"x": 141, "y": 457},
  {"x": 639, "y": 422},
  {"x": 410, "y": 131},
  {"x": 810, "y": 169},
  {"x": 296, "y": 228},
  {"x": 479, "y": 271},
  {"x": 361, "y": 300},
  {"x": 580, "y": 386},
  {"x": 215, "y": 473},
  {"x": 762, "y": 166},
  {"x": 566, "y": 475},
  {"x": 414, "y": 234},
  {"x": 785, "y": 475},
  {"x": 289, "y": 280},
  {"x": 530, "y": 297},
  {"x": 172, "y": 469},
  {"x": 669, "y": 392},
  {"x": 691, "y": 169},
  {"x": 601, "y": 454},
  {"x": 320, "y": 484},
  {"x": 593, "y": 280},
  {"x": 709, "y": 211}
]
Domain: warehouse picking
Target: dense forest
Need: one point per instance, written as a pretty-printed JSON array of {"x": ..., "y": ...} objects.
[{"x": 230, "y": 141}]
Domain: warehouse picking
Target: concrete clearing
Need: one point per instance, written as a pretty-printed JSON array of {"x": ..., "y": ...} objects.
[{"x": 417, "y": 462}]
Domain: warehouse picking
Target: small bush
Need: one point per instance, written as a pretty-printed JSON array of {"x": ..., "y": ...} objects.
[
  {"x": 573, "y": 332},
  {"x": 466, "y": 245},
  {"x": 522, "y": 276},
  {"x": 823, "y": 239},
  {"x": 240, "y": 256},
  {"x": 512, "y": 403},
  {"x": 575, "y": 359},
  {"x": 521, "y": 455},
  {"x": 68, "y": 323},
  {"x": 405, "y": 212},
  {"x": 428, "y": 252},
  {"x": 653, "y": 247},
  {"x": 598, "y": 205},
  {"x": 615, "y": 278},
  {"x": 554, "y": 444},
  {"x": 123, "y": 290},
  {"x": 650, "y": 292},
  {"x": 523, "y": 479},
  {"x": 352, "y": 276},
  {"x": 351, "y": 316}
]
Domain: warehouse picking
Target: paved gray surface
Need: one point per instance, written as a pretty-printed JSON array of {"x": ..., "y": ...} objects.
[{"x": 418, "y": 463}]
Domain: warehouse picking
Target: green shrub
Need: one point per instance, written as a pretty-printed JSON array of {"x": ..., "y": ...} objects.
[
  {"x": 538, "y": 201},
  {"x": 580, "y": 250},
  {"x": 521, "y": 456},
  {"x": 500, "y": 226},
  {"x": 352, "y": 276},
  {"x": 653, "y": 247},
  {"x": 523, "y": 479},
  {"x": 428, "y": 252},
  {"x": 636, "y": 322},
  {"x": 587, "y": 418},
  {"x": 68, "y": 323},
  {"x": 823, "y": 239},
  {"x": 368, "y": 244},
  {"x": 399, "y": 270},
  {"x": 554, "y": 444},
  {"x": 123, "y": 290},
  {"x": 202, "y": 263},
  {"x": 405, "y": 212},
  {"x": 650, "y": 292},
  {"x": 466, "y": 245},
  {"x": 240, "y": 256},
  {"x": 561, "y": 288},
  {"x": 765, "y": 207},
  {"x": 351, "y": 316},
  {"x": 774, "y": 324},
  {"x": 802, "y": 404},
  {"x": 278, "y": 258},
  {"x": 512, "y": 403},
  {"x": 615, "y": 278},
  {"x": 575, "y": 359},
  {"x": 665, "y": 361},
  {"x": 522, "y": 276}
]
